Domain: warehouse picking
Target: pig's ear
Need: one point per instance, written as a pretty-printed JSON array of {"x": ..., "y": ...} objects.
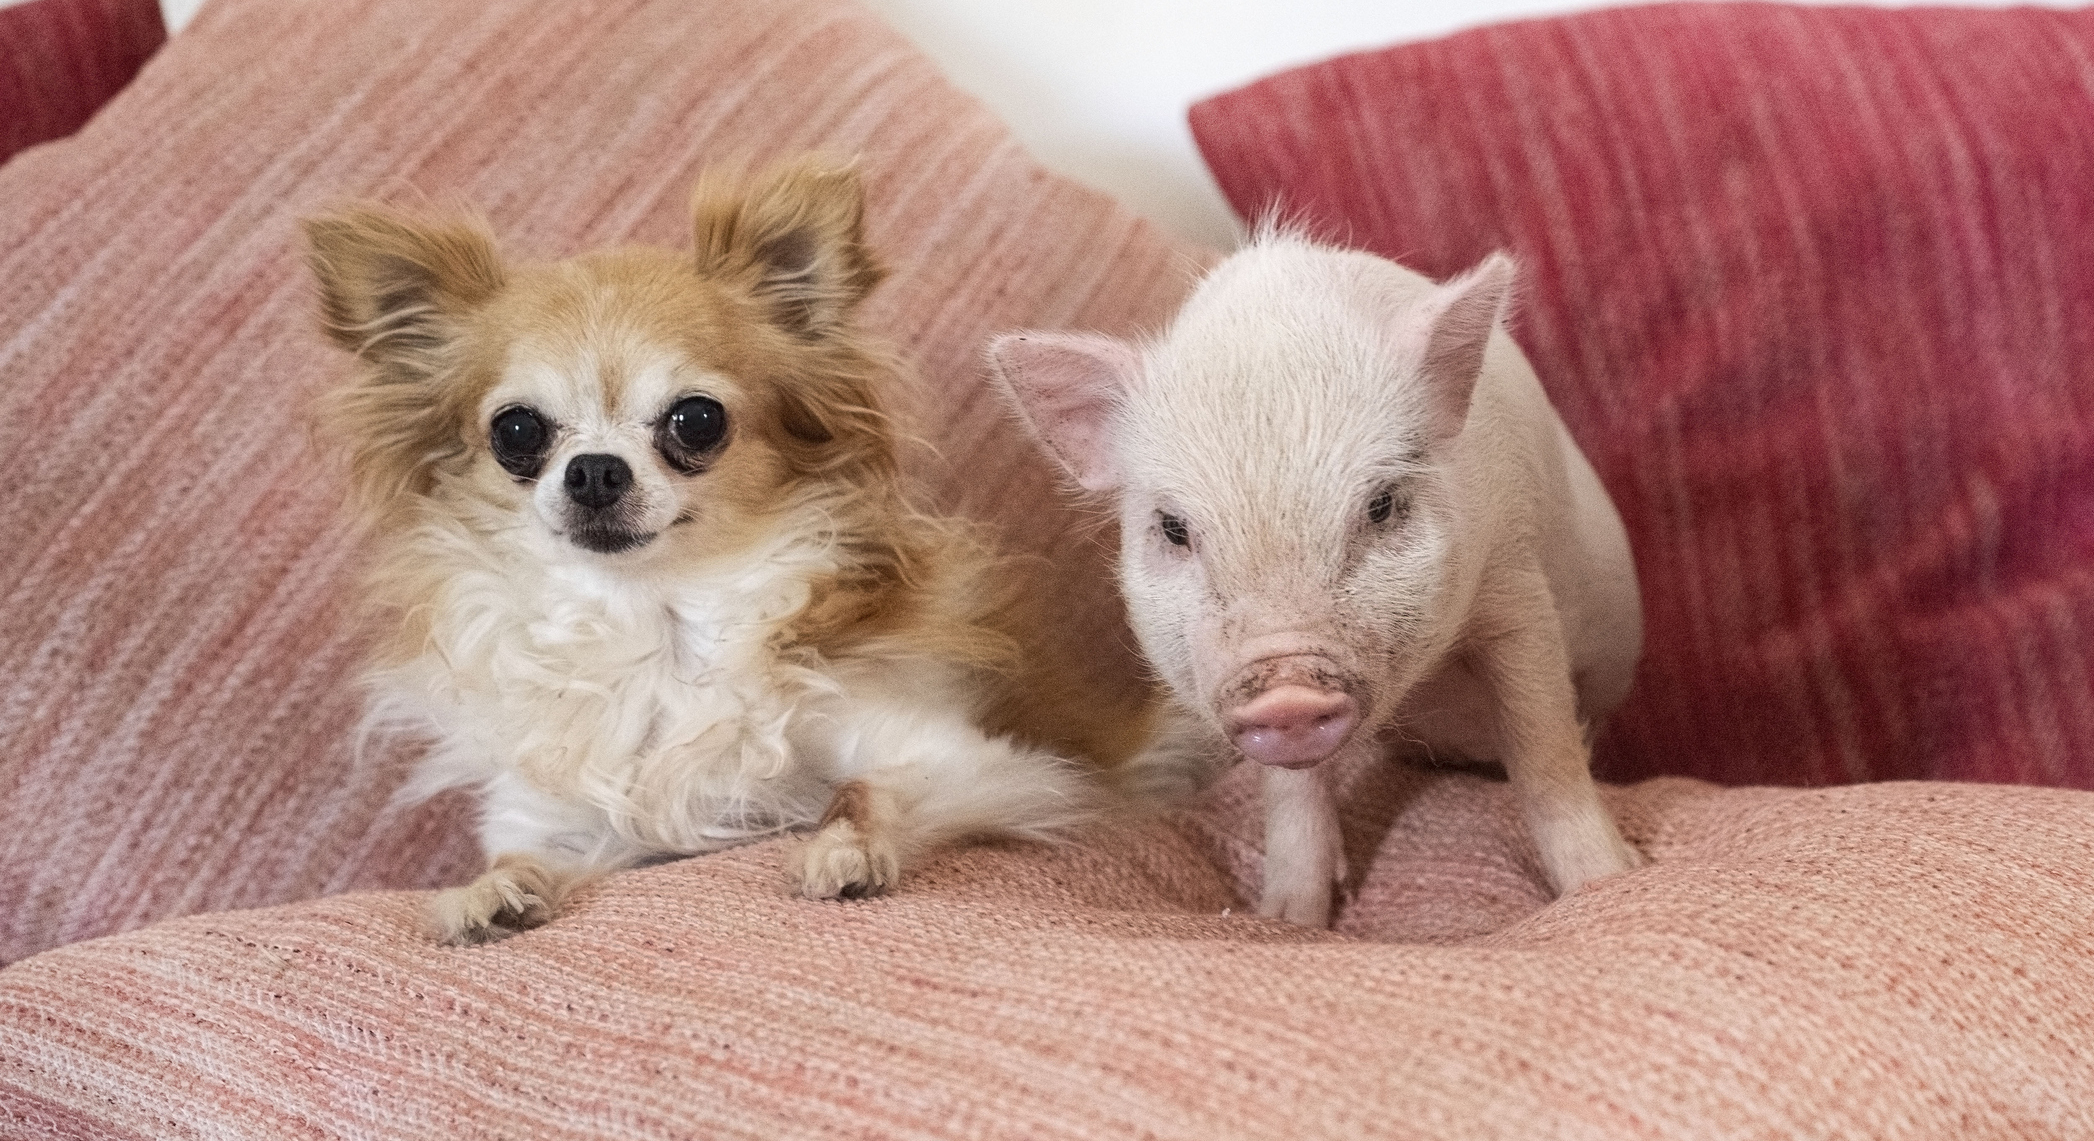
[
  {"x": 1458, "y": 323},
  {"x": 1065, "y": 386}
]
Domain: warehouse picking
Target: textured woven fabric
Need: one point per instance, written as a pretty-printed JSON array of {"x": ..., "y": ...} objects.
[
  {"x": 175, "y": 720},
  {"x": 1814, "y": 287},
  {"x": 61, "y": 59},
  {"x": 1881, "y": 961}
]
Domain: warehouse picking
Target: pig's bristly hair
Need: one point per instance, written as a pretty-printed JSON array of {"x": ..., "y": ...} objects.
[
  {"x": 1296, "y": 379},
  {"x": 1277, "y": 226}
]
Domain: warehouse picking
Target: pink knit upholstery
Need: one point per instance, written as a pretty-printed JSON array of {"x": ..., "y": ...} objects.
[
  {"x": 1814, "y": 287},
  {"x": 1887, "y": 961},
  {"x": 175, "y": 726}
]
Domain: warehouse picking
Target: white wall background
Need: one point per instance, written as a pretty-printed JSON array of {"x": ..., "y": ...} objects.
[{"x": 1098, "y": 88}]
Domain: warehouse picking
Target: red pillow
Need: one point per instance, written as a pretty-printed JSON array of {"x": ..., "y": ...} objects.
[
  {"x": 1814, "y": 287},
  {"x": 61, "y": 59}
]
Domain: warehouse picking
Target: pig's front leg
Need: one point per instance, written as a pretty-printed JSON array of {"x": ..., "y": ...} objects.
[
  {"x": 1304, "y": 853},
  {"x": 1519, "y": 652}
]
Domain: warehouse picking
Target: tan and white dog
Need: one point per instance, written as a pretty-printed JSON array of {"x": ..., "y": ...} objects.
[
  {"x": 1350, "y": 517},
  {"x": 651, "y": 582}
]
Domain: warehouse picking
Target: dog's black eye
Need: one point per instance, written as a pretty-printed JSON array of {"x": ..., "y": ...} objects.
[
  {"x": 1174, "y": 530},
  {"x": 520, "y": 439},
  {"x": 694, "y": 426}
]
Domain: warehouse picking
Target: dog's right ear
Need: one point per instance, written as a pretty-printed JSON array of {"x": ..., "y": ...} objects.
[
  {"x": 392, "y": 290},
  {"x": 395, "y": 293}
]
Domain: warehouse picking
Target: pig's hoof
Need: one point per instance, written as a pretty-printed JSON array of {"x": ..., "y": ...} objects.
[
  {"x": 1581, "y": 866},
  {"x": 843, "y": 862},
  {"x": 1307, "y": 905},
  {"x": 1304, "y": 891}
]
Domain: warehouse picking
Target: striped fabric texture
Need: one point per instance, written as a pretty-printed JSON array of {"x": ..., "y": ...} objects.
[
  {"x": 61, "y": 59},
  {"x": 1878, "y": 961},
  {"x": 179, "y": 664},
  {"x": 1814, "y": 287}
]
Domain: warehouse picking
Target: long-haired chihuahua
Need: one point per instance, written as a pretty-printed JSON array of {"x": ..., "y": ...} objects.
[{"x": 650, "y": 580}]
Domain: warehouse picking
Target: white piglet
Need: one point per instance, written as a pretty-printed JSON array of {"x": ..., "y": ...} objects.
[{"x": 1350, "y": 519}]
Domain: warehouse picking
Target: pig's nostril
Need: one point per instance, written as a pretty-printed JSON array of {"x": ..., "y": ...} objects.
[{"x": 1291, "y": 706}]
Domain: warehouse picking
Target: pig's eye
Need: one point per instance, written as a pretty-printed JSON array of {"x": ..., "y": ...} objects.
[
  {"x": 1174, "y": 530},
  {"x": 1386, "y": 502}
]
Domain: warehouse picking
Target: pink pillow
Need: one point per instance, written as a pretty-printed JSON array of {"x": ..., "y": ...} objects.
[
  {"x": 1887, "y": 961},
  {"x": 1814, "y": 287},
  {"x": 174, "y": 727}
]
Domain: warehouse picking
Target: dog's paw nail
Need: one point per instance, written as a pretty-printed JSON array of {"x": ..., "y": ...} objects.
[
  {"x": 495, "y": 906},
  {"x": 837, "y": 863}
]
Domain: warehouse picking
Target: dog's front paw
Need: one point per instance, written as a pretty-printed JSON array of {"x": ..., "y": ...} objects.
[
  {"x": 516, "y": 894},
  {"x": 843, "y": 861}
]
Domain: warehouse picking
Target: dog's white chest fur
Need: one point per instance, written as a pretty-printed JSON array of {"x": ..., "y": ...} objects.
[
  {"x": 616, "y": 718},
  {"x": 605, "y": 491}
]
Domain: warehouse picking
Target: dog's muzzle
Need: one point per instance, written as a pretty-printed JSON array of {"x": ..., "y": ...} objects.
[{"x": 596, "y": 487}]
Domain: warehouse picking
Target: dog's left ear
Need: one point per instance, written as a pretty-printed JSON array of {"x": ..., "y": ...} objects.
[{"x": 795, "y": 236}]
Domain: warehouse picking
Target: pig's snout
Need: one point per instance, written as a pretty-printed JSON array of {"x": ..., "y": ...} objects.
[
  {"x": 1294, "y": 720},
  {"x": 1293, "y": 726}
]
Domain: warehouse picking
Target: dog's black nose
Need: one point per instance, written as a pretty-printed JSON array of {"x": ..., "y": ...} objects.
[{"x": 597, "y": 480}]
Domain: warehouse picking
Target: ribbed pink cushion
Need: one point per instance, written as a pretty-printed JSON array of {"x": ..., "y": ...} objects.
[
  {"x": 1880, "y": 961},
  {"x": 178, "y": 695},
  {"x": 1814, "y": 287}
]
